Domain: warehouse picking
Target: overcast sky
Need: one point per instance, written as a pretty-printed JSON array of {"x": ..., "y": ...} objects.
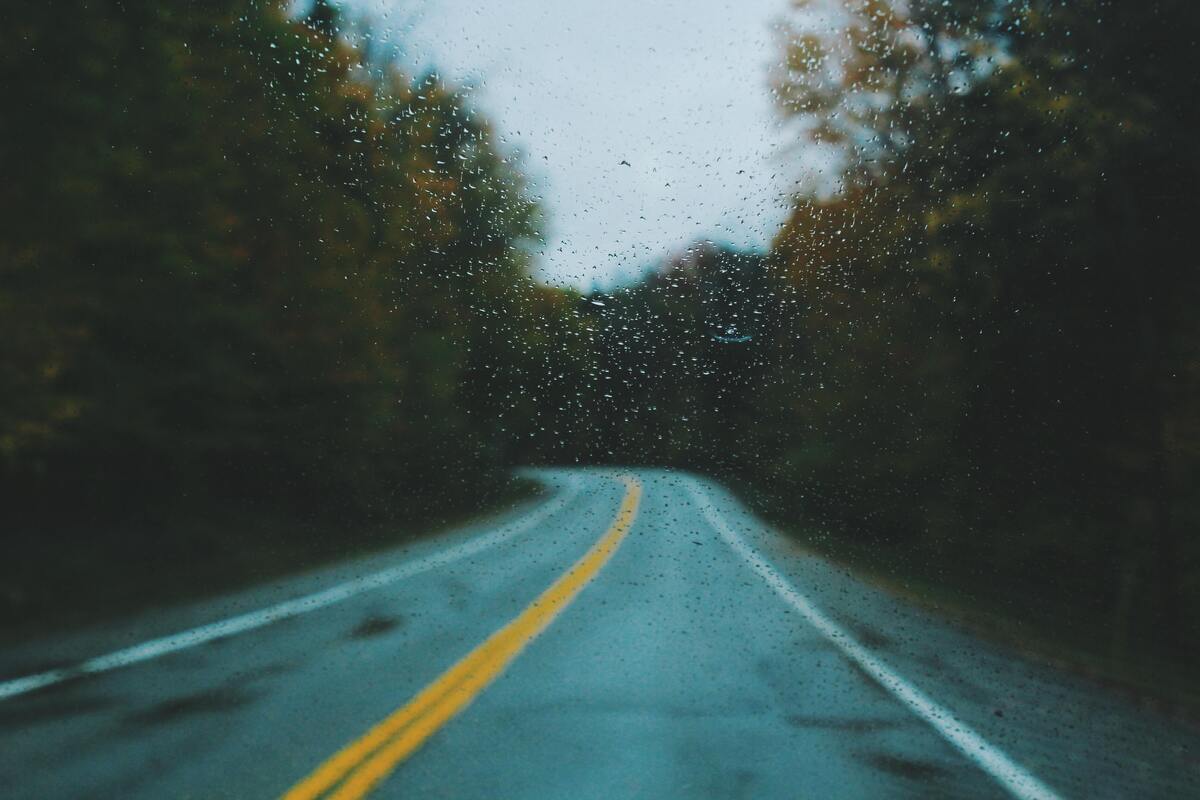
[{"x": 677, "y": 89}]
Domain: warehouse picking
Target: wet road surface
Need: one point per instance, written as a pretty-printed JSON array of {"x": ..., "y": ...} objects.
[{"x": 634, "y": 634}]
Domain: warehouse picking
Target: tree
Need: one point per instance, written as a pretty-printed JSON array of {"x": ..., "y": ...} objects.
[{"x": 988, "y": 157}]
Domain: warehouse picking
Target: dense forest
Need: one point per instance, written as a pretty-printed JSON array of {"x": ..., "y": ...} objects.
[
  {"x": 977, "y": 358},
  {"x": 246, "y": 262},
  {"x": 242, "y": 259},
  {"x": 251, "y": 275}
]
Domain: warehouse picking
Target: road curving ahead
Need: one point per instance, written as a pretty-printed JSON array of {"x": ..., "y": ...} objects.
[{"x": 638, "y": 634}]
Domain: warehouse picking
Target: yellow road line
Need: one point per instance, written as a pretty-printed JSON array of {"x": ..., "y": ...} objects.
[{"x": 363, "y": 764}]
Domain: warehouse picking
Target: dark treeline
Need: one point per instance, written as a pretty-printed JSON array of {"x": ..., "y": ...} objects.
[
  {"x": 976, "y": 355},
  {"x": 250, "y": 274},
  {"x": 240, "y": 260},
  {"x": 246, "y": 262}
]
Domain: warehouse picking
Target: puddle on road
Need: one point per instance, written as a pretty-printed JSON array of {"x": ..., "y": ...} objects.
[
  {"x": 850, "y": 724},
  {"x": 208, "y": 701},
  {"x": 903, "y": 767},
  {"x": 375, "y": 626}
]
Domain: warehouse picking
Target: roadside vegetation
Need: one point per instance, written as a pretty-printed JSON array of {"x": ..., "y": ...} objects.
[
  {"x": 975, "y": 363},
  {"x": 251, "y": 270},
  {"x": 248, "y": 272}
]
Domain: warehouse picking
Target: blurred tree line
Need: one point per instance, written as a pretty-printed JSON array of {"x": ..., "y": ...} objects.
[
  {"x": 978, "y": 355},
  {"x": 245, "y": 260}
]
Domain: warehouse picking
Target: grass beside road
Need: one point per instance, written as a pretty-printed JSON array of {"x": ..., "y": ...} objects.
[
  {"x": 1014, "y": 618},
  {"x": 56, "y": 578},
  {"x": 1045, "y": 624}
]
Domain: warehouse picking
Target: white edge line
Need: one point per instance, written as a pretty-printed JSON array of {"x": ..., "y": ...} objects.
[
  {"x": 285, "y": 610},
  {"x": 991, "y": 759}
]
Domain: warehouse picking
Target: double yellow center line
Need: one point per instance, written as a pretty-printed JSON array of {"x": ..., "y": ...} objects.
[{"x": 363, "y": 764}]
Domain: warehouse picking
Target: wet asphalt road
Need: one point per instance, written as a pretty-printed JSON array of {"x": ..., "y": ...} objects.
[{"x": 706, "y": 658}]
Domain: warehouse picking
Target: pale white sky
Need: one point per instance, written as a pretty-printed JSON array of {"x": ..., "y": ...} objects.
[{"x": 676, "y": 88}]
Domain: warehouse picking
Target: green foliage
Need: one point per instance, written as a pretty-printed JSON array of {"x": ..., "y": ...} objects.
[
  {"x": 1017, "y": 336},
  {"x": 679, "y": 361},
  {"x": 982, "y": 356},
  {"x": 243, "y": 264}
]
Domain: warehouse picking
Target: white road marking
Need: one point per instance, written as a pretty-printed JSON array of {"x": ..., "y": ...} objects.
[
  {"x": 289, "y": 608},
  {"x": 1011, "y": 775}
]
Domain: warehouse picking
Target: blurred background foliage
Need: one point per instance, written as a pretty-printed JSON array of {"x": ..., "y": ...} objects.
[
  {"x": 248, "y": 264},
  {"x": 243, "y": 261},
  {"x": 259, "y": 290},
  {"x": 979, "y": 368}
]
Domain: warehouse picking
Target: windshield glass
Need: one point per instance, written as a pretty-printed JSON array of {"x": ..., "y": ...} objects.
[{"x": 776, "y": 398}]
